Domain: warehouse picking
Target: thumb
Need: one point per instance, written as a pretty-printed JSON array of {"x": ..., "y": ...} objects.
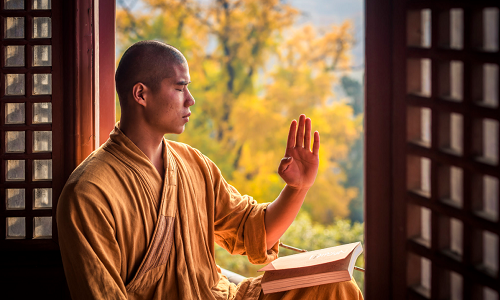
[{"x": 285, "y": 162}]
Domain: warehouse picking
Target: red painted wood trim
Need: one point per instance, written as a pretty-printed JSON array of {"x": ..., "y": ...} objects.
[
  {"x": 84, "y": 95},
  {"x": 107, "y": 17},
  {"x": 378, "y": 150}
]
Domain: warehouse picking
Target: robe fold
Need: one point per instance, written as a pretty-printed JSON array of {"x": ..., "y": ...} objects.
[{"x": 126, "y": 233}]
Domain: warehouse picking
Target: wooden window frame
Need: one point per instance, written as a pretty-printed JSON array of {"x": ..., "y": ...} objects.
[{"x": 386, "y": 196}]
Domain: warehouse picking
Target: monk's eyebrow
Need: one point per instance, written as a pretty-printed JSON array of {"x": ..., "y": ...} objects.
[{"x": 183, "y": 82}]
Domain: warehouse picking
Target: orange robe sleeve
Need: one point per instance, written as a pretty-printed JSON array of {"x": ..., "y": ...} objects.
[
  {"x": 90, "y": 252},
  {"x": 239, "y": 221}
]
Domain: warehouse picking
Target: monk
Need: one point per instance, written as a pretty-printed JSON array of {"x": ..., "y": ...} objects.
[{"x": 139, "y": 217}]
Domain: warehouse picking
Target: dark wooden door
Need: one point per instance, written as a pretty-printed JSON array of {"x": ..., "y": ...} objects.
[
  {"x": 55, "y": 99},
  {"x": 432, "y": 150},
  {"x": 32, "y": 145}
]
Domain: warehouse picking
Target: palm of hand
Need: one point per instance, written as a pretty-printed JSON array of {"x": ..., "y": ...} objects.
[{"x": 300, "y": 165}]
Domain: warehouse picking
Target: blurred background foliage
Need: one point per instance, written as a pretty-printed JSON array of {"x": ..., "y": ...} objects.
[{"x": 254, "y": 69}]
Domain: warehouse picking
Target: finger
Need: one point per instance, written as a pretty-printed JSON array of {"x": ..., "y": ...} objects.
[
  {"x": 307, "y": 135},
  {"x": 285, "y": 162},
  {"x": 316, "y": 143},
  {"x": 300, "y": 132},
  {"x": 290, "y": 143}
]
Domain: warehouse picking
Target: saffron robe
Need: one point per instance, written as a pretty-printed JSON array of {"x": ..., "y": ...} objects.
[{"x": 125, "y": 233}]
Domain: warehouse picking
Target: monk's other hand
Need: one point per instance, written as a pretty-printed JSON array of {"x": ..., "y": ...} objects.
[{"x": 300, "y": 165}]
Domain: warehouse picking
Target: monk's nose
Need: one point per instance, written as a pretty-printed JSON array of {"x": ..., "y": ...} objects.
[{"x": 190, "y": 100}]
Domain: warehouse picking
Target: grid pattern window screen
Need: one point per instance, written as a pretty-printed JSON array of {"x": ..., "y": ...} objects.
[
  {"x": 452, "y": 150},
  {"x": 26, "y": 120}
]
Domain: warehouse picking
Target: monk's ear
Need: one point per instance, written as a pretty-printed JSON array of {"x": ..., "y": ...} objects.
[{"x": 139, "y": 92}]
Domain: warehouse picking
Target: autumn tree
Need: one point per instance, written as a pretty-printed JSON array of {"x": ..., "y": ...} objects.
[{"x": 253, "y": 71}]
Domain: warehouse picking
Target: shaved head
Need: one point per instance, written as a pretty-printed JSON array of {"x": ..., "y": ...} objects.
[{"x": 148, "y": 62}]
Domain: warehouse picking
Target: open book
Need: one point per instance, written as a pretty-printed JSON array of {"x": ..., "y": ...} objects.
[{"x": 312, "y": 268}]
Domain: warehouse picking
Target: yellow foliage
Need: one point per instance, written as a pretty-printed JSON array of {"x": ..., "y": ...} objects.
[{"x": 251, "y": 74}]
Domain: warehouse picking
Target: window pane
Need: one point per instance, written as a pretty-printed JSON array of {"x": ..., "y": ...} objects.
[
  {"x": 15, "y": 141},
  {"x": 42, "y": 28},
  {"x": 41, "y": 4},
  {"x": 14, "y": 4},
  {"x": 42, "y": 56},
  {"x": 43, "y": 227},
  {"x": 16, "y": 228},
  {"x": 14, "y": 28},
  {"x": 15, "y": 170},
  {"x": 15, "y": 198},
  {"x": 14, "y": 56},
  {"x": 42, "y": 141},
  {"x": 14, "y": 84},
  {"x": 42, "y": 84},
  {"x": 14, "y": 113},
  {"x": 42, "y": 169},
  {"x": 43, "y": 198},
  {"x": 42, "y": 113}
]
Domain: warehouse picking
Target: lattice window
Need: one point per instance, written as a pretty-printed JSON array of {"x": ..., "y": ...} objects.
[
  {"x": 26, "y": 121},
  {"x": 452, "y": 150}
]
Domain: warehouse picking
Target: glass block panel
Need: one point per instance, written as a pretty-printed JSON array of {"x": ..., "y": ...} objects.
[
  {"x": 419, "y": 77},
  {"x": 13, "y": 4},
  {"x": 42, "y": 84},
  {"x": 15, "y": 170},
  {"x": 456, "y": 28},
  {"x": 419, "y": 175},
  {"x": 15, "y": 199},
  {"x": 489, "y": 294},
  {"x": 451, "y": 80},
  {"x": 425, "y": 223},
  {"x": 42, "y": 55},
  {"x": 42, "y": 28},
  {"x": 490, "y": 22},
  {"x": 14, "y": 84},
  {"x": 42, "y": 169},
  {"x": 14, "y": 56},
  {"x": 456, "y": 234},
  {"x": 426, "y": 115},
  {"x": 16, "y": 228},
  {"x": 456, "y": 283},
  {"x": 14, "y": 28},
  {"x": 490, "y": 251},
  {"x": 456, "y": 184},
  {"x": 425, "y": 280},
  {"x": 14, "y": 113},
  {"x": 43, "y": 227},
  {"x": 42, "y": 113},
  {"x": 490, "y": 196},
  {"x": 490, "y": 140},
  {"x": 41, "y": 4},
  {"x": 419, "y": 28},
  {"x": 456, "y": 78},
  {"x": 425, "y": 174},
  {"x": 419, "y": 123},
  {"x": 15, "y": 141},
  {"x": 42, "y": 141},
  {"x": 451, "y": 133},
  {"x": 43, "y": 198},
  {"x": 450, "y": 186},
  {"x": 490, "y": 85},
  {"x": 456, "y": 132},
  {"x": 420, "y": 275}
]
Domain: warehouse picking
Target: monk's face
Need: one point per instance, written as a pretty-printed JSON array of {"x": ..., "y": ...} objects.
[{"x": 169, "y": 110}]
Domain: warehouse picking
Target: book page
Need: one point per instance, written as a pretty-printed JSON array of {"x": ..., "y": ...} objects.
[{"x": 312, "y": 258}]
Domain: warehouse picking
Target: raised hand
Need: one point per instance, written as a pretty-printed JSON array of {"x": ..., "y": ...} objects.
[{"x": 300, "y": 165}]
